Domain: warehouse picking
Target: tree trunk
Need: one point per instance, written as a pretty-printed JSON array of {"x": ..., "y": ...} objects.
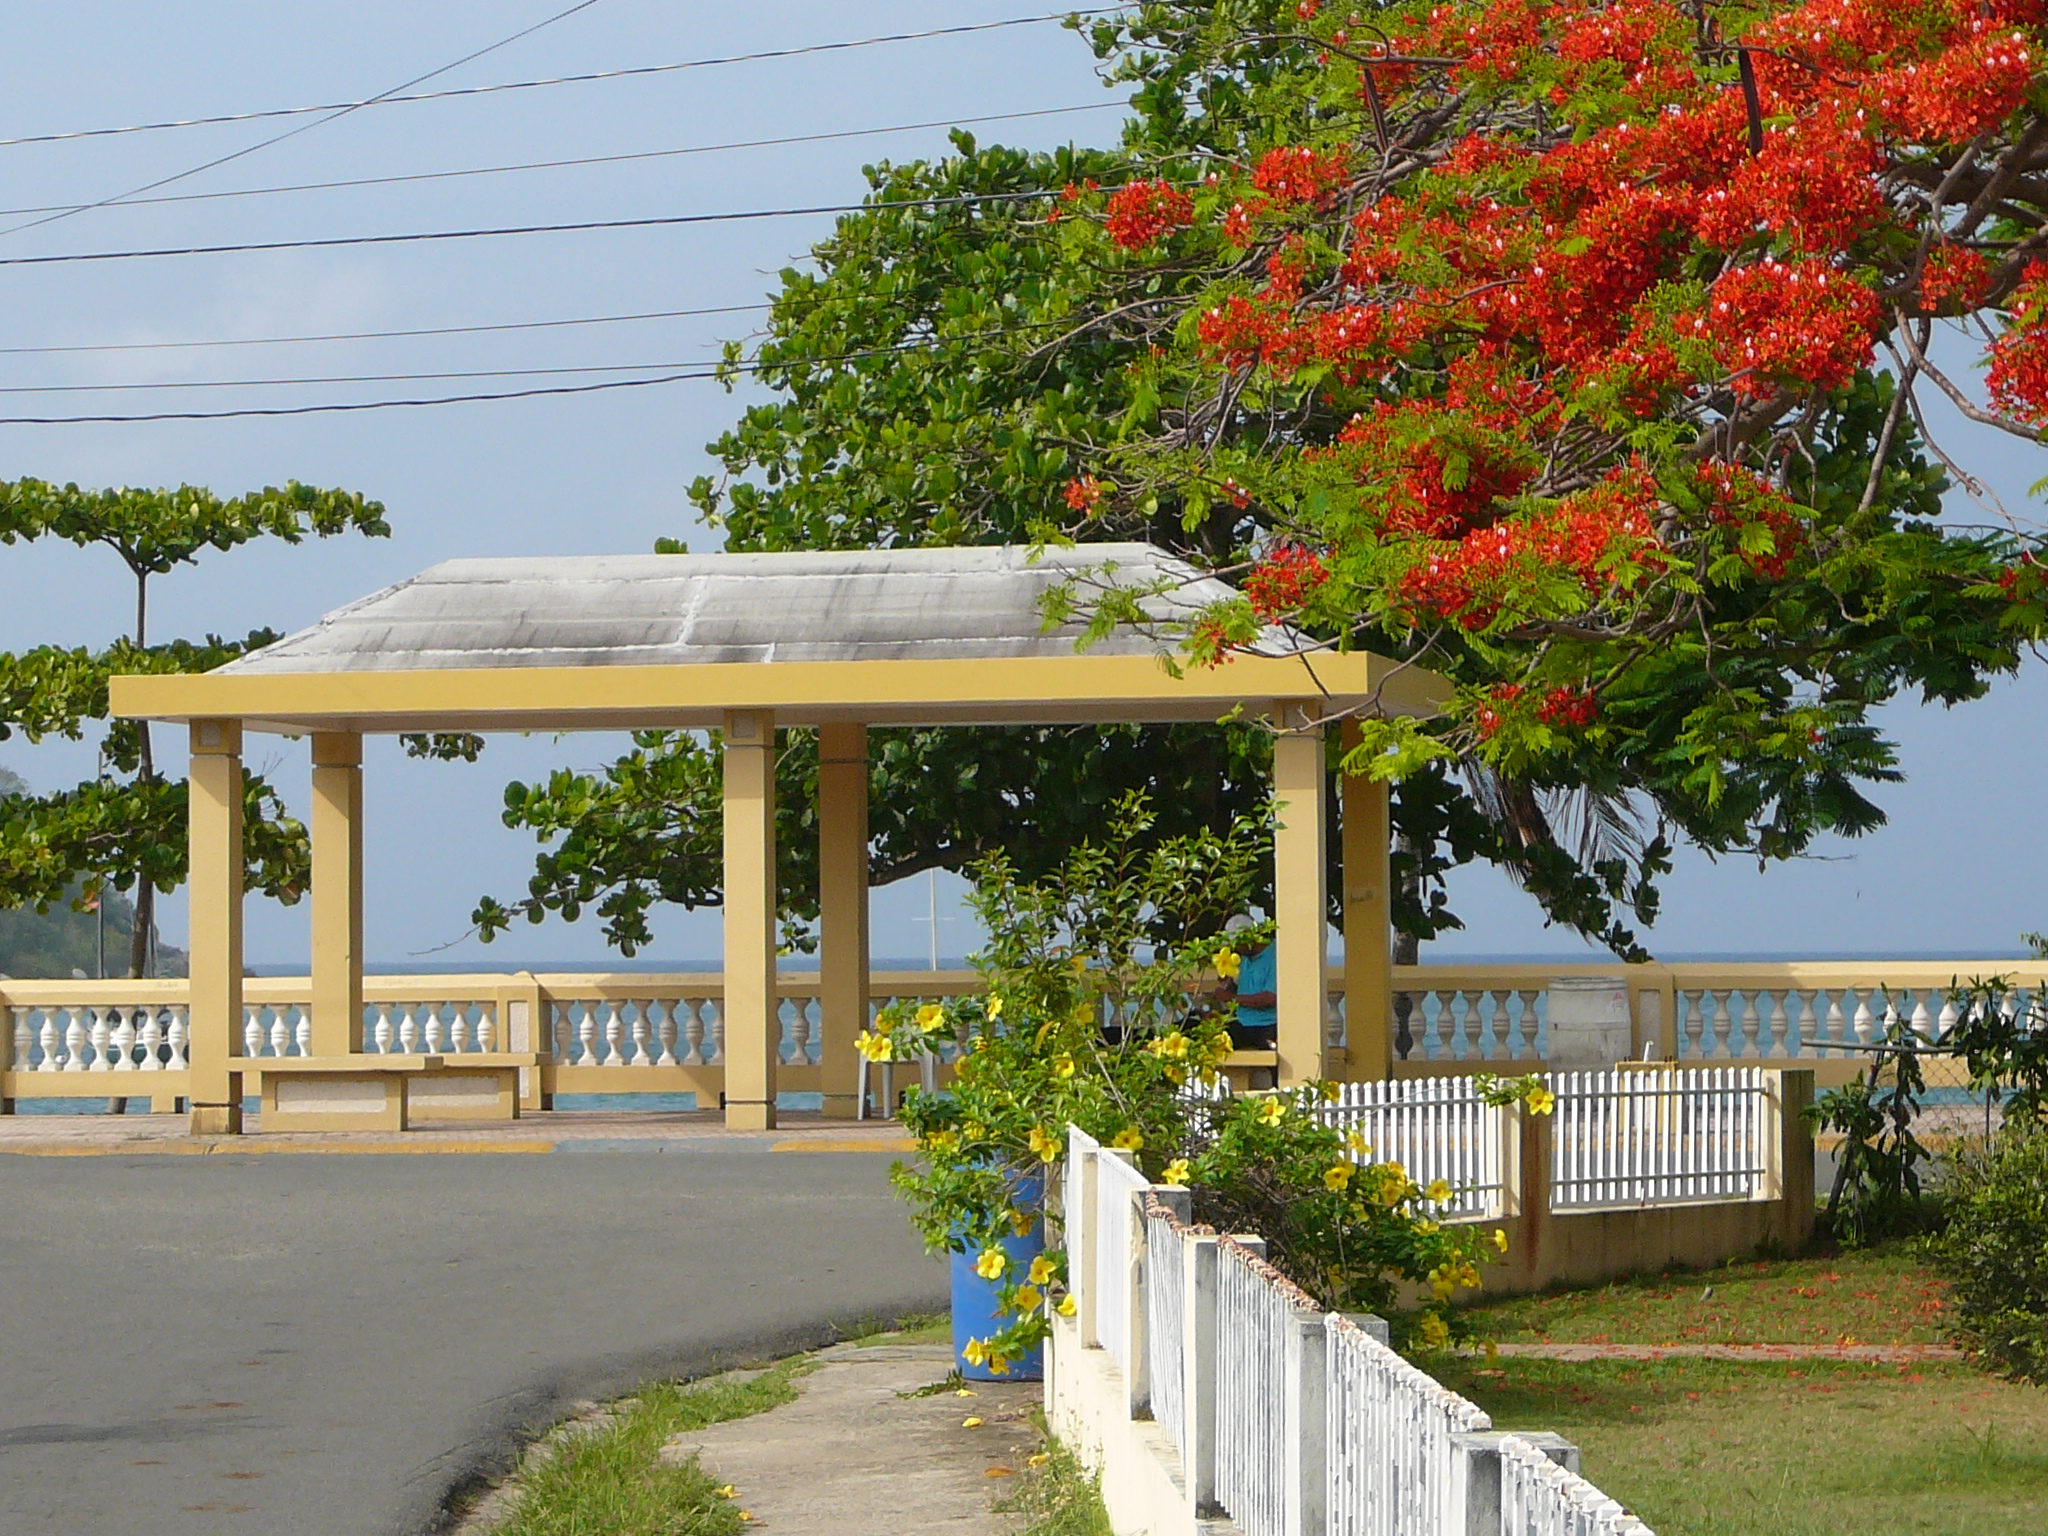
[{"x": 145, "y": 893}]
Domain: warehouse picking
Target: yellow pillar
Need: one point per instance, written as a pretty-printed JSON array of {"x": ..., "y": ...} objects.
[
  {"x": 1300, "y": 909},
  {"x": 337, "y": 893},
  {"x": 753, "y": 1022},
  {"x": 1368, "y": 925},
  {"x": 214, "y": 890},
  {"x": 842, "y": 911}
]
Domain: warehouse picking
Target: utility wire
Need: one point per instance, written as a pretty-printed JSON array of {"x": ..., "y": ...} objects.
[
  {"x": 435, "y": 330},
  {"x": 337, "y": 378},
  {"x": 292, "y": 133},
  {"x": 389, "y": 98},
  {"x": 718, "y": 371},
  {"x": 525, "y": 229},
  {"x": 551, "y": 165}
]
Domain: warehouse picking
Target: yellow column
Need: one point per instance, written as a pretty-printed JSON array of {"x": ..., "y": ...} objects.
[
  {"x": 842, "y": 911},
  {"x": 337, "y": 893},
  {"x": 1368, "y": 925},
  {"x": 753, "y": 1023},
  {"x": 214, "y": 890},
  {"x": 1300, "y": 910}
]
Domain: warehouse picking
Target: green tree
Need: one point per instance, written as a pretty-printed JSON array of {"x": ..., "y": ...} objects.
[{"x": 125, "y": 830}]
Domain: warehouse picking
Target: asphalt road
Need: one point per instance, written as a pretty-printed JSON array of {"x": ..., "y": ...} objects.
[{"x": 322, "y": 1345}]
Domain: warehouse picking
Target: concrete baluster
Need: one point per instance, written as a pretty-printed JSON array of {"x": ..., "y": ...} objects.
[
  {"x": 74, "y": 1042},
  {"x": 302, "y": 1033},
  {"x": 124, "y": 1040},
  {"x": 614, "y": 1036},
  {"x": 641, "y": 1034},
  {"x": 437, "y": 1030},
  {"x": 665, "y": 1033},
  {"x": 50, "y": 1061},
  {"x": 408, "y": 1030},
  {"x": 693, "y": 1033},
  {"x": 381, "y": 1032},
  {"x": 152, "y": 1041},
  {"x": 458, "y": 1029},
  {"x": 177, "y": 1035}
]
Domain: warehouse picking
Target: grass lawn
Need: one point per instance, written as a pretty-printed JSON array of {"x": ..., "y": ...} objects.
[
  {"x": 1878, "y": 1297},
  {"x": 1720, "y": 1448}
]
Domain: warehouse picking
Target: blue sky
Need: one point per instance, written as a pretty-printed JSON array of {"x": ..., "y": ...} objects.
[{"x": 606, "y": 472}]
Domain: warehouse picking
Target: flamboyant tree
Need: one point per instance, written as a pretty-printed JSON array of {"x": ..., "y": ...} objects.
[{"x": 1575, "y": 351}]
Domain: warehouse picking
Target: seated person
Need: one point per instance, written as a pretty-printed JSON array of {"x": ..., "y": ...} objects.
[{"x": 1257, "y": 1025}]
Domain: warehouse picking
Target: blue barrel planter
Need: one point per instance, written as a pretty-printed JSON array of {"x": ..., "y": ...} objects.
[{"x": 975, "y": 1315}]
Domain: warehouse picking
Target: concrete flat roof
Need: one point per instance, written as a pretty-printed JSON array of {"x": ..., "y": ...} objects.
[{"x": 914, "y": 636}]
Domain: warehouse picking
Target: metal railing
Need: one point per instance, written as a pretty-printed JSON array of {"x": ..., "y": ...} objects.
[{"x": 1659, "y": 1137}]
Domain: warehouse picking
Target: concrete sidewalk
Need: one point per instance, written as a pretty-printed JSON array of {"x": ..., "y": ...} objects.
[{"x": 860, "y": 1453}]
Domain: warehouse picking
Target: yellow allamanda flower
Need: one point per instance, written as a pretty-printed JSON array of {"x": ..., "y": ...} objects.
[
  {"x": 1271, "y": 1111},
  {"x": 975, "y": 1352},
  {"x": 992, "y": 1263},
  {"x": 1442, "y": 1283},
  {"x": 1468, "y": 1275},
  {"x": 974, "y": 1130},
  {"x": 727, "y": 1491},
  {"x": 1129, "y": 1139},
  {"x": 943, "y": 1141},
  {"x": 1500, "y": 1239},
  {"x": 1438, "y": 1191},
  {"x": 1433, "y": 1331},
  {"x": 1021, "y": 1222},
  {"x": 1541, "y": 1101},
  {"x": 1045, "y": 1144},
  {"x": 1337, "y": 1176},
  {"x": 929, "y": 1014},
  {"x": 873, "y": 1046},
  {"x": 1041, "y": 1271},
  {"x": 1066, "y": 1306},
  {"x": 995, "y": 1008},
  {"x": 1227, "y": 963},
  {"x": 1029, "y": 1298},
  {"x": 1175, "y": 1172},
  {"x": 1357, "y": 1144},
  {"x": 1173, "y": 1047},
  {"x": 1063, "y": 1066},
  {"x": 973, "y": 1420}
]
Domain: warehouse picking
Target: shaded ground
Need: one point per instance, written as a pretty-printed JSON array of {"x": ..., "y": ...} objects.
[{"x": 325, "y": 1344}]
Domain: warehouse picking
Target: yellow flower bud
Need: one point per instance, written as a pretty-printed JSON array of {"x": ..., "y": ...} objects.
[
  {"x": 995, "y": 1008},
  {"x": 1066, "y": 1306},
  {"x": 1500, "y": 1239}
]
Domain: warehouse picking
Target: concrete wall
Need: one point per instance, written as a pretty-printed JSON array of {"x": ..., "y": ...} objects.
[{"x": 1087, "y": 1405}]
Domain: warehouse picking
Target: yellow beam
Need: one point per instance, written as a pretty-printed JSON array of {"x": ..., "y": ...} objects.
[
  {"x": 214, "y": 891},
  {"x": 996, "y": 689},
  {"x": 337, "y": 894},
  {"x": 753, "y": 1017},
  {"x": 1299, "y": 889},
  {"x": 1368, "y": 925},
  {"x": 842, "y": 910}
]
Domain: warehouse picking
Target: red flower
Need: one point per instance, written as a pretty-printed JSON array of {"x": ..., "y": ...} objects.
[
  {"x": 1282, "y": 583},
  {"x": 1142, "y": 211},
  {"x": 1084, "y": 493},
  {"x": 1300, "y": 175}
]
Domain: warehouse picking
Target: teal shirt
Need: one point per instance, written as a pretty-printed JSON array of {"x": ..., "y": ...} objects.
[{"x": 1258, "y": 973}]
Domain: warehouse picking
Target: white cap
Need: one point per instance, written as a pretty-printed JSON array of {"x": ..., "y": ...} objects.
[{"x": 1238, "y": 924}]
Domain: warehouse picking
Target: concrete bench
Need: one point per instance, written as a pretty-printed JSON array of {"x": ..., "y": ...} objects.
[{"x": 382, "y": 1093}]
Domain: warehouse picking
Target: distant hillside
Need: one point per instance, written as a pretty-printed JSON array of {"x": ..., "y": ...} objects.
[{"x": 64, "y": 942}]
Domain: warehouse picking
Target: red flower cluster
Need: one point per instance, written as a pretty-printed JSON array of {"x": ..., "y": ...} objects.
[
  {"x": 1973, "y": 86},
  {"x": 1953, "y": 280},
  {"x": 1492, "y": 715},
  {"x": 1472, "y": 582},
  {"x": 1084, "y": 493},
  {"x": 1141, "y": 211},
  {"x": 1569, "y": 706},
  {"x": 1738, "y": 498},
  {"x": 1802, "y": 323},
  {"x": 1282, "y": 583},
  {"x": 1300, "y": 175},
  {"x": 2018, "y": 379}
]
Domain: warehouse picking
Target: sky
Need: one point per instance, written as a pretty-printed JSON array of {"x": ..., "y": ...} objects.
[{"x": 605, "y": 472}]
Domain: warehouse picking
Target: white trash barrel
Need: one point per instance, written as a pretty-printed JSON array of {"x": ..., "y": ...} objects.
[{"x": 1589, "y": 1027}]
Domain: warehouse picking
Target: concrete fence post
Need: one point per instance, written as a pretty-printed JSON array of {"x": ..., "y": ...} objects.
[
  {"x": 1305, "y": 1403},
  {"x": 1475, "y": 1478},
  {"x": 1137, "y": 1343},
  {"x": 524, "y": 1025},
  {"x": 1081, "y": 1253},
  {"x": 1198, "y": 1394},
  {"x": 1792, "y": 1145}
]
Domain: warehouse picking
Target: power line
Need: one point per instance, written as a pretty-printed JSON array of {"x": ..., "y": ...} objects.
[
  {"x": 292, "y": 133},
  {"x": 435, "y": 330},
  {"x": 524, "y": 229},
  {"x": 390, "y": 99},
  {"x": 719, "y": 371},
  {"x": 551, "y": 165},
  {"x": 335, "y": 378}
]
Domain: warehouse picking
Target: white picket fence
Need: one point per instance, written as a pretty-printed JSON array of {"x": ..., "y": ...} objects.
[
  {"x": 1659, "y": 1137},
  {"x": 1291, "y": 1420}
]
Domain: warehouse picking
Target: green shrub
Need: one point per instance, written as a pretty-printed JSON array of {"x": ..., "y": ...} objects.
[{"x": 1994, "y": 1250}]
